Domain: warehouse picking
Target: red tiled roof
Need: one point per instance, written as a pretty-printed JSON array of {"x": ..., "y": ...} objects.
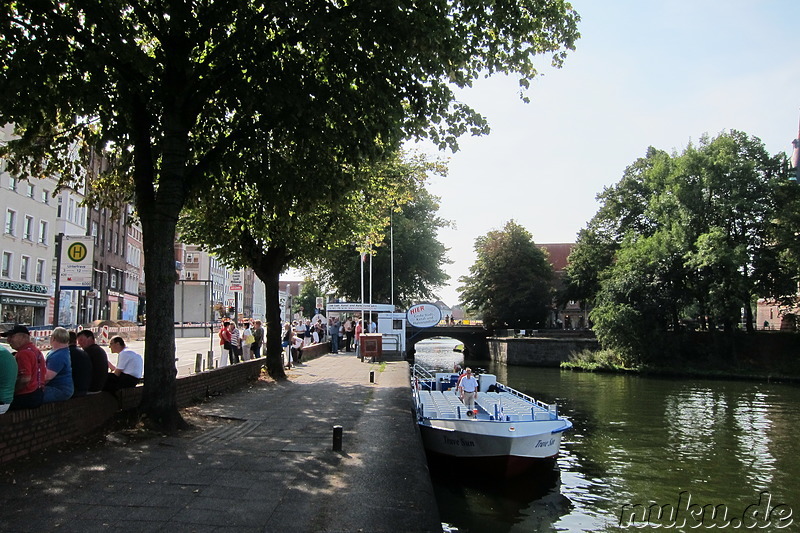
[{"x": 557, "y": 253}]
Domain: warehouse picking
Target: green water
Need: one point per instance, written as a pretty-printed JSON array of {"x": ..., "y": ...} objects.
[{"x": 711, "y": 455}]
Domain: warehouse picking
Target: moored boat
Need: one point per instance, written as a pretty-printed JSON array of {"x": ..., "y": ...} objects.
[{"x": 507, "y": 434}]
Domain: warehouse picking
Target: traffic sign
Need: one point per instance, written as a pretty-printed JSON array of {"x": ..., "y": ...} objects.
[{"x": 236, "y": 287}]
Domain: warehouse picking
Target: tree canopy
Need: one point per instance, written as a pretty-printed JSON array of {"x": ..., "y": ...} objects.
[
  {"x": 695, "y": 236},
  {"x": 411, "y": 242},
  {"x": 175, "y": 94},
  {"x": 510, "y": 283}
]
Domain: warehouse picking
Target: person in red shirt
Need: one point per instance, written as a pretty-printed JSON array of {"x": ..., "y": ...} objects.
[
  {"x": 32, "y": 369},
  {"x": 225, "y": 343}
]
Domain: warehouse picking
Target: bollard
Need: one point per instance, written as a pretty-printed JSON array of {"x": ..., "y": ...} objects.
[
  {"x": 372, "y": 376},
  {"x": 198, "y": 363},
  {"x": 210, "y": 364},
  {"x": 337, "y": 438}
]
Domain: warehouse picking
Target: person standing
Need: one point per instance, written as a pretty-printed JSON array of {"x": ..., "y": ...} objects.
[
  {"x": 225, "y": 344},
  {"x": 348, "y": 334},
  {"x": 236, "y": 343},
  {"x": 8, "y": 378},
  {"x": 359, "y": 330},
  {"x": 468, "y": 386},
  {"x": 247, "y": 341},
  {"x": 81, "y": 367},
  {"x": 258, "y": 339},
  {"x": 31, "y": 369},
  {"x": 333, "y": 331},
  {"x": 98, "y": 357},
  {"x": 58, "y": 379},
  {"x": 129, "y": 369}
]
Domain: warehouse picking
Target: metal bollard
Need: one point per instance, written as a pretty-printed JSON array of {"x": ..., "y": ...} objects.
[
  {"x": 372, "y": 376},
  {"x": 198, "y": 363},
  {"x": 337, "y": 438}
]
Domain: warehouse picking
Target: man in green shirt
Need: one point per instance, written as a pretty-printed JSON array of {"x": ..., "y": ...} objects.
[{"x": 8, "y": 378}]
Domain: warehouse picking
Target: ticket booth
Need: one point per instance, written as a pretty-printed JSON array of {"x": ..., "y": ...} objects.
[{"x": 393, "y": 328}]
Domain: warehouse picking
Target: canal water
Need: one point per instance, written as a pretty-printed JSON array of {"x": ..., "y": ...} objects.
[{"x": 644, "y": 453}]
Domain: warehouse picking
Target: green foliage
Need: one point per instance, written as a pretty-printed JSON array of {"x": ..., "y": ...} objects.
[
  {"x": 697, "y": 235},
  {"x": 307, "y": 299},
  {"x": 419, "y": 257},
  {"x": 594, "y": 360},
  {"x": 510, "y": 283},
  {"x": 173, "y": 98}
]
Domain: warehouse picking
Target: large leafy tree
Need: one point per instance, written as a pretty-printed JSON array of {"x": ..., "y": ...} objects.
[
  {"x": 510, "y": 283},
  {"x": 173, "y": 93},
  {"x": 409, "y": 248},
  {"x": 295, "y": 220},
  {"x": 695, "y": 234}
]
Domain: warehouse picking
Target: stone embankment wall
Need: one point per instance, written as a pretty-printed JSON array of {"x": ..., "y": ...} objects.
[{"x": 538, "y": 351}]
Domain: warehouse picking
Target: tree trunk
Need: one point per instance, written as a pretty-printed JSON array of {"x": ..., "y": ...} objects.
[
  {"x": 268, "y": 264},
  {"x": 159, "y": 402}
]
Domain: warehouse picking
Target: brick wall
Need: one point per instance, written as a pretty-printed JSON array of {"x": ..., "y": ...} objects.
[{"x": 29, "y": 430}]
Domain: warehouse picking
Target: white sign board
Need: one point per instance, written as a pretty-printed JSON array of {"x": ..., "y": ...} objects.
[
  {"x": 77, "y": 258},
  {"x": 423, "y": 315}
]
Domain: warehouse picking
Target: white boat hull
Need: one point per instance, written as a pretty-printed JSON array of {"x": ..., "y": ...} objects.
[{"x": 468, "y": 438}]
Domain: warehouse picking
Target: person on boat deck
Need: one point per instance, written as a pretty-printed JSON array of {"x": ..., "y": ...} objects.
[{"x": 468, "y": 386}]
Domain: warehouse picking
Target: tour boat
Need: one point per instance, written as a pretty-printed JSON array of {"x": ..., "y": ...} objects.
[{"x": 507, "y": 434}]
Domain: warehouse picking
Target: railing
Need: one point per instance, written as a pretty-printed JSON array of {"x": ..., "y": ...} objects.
[{"x": 550, "y": 408}]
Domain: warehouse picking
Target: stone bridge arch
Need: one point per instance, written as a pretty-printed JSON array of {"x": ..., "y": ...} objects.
[{"x": 473, "y": 337}]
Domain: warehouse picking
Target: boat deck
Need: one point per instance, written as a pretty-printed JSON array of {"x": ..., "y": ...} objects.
[{"x": 501, "y": 406}]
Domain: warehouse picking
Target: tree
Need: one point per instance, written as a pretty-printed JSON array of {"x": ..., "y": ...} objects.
[
  {"x": 299, "y": 224},
  {"x": 419, "y": 256},
  {"x": 173, "y": 93},
  {"x": 510, "y": 283},
  {"x": 696, "y": 234}
]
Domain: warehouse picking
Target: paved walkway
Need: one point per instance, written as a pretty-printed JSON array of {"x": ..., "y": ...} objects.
[{"x": 260, "y": 460}]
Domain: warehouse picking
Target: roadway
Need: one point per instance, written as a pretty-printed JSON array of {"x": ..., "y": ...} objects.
[{"x": 186, "y": 350}]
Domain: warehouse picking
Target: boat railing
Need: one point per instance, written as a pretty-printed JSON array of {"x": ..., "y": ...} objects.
[{"x": 550, "y": 408}]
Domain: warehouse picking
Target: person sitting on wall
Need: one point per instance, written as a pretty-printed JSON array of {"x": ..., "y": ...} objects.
[
  {"x": 129, "y": 369},
  {"x": 81, "y": 367},
  {"x": 98, "y": 357},
  {"x": 32, "y": 369},
  {"x": 59, "y": 386},
  {"x": 8, "y": 378}
]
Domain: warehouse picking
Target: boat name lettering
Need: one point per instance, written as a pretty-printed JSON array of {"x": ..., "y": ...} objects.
[
  {"x": 545, "y": 443},
  {"x": 458, "y": 442}
]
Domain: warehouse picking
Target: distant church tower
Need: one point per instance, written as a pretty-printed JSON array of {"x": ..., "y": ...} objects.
[{"x": 796, "y": 158}]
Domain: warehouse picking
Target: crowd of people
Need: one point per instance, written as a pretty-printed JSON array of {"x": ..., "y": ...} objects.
[
  {"x": 342, "y": 334},
  {"x": 240, "y": 344},
  {"x": 75, "y": 366}
]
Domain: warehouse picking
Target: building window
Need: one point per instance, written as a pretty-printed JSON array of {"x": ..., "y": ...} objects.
[
  {"x": 60, "y": 202},
  {"x": 43, "y": 231},
  {"x": 45, "y": 197},
  {"x": 24, "y": 265},
  {"x": 94, "y": 234},
  {"x": 11, "y": 222},
  {"x": 71, "y": 210},
  {"x": 30, "y": 190},
  {"x": 7, "y": 258},
  {"x": 112, "y": 274},
  {"x": 40, "y": 264},
  {"x": 28, "y": 233},
  {"x": 12, "y": 183}
]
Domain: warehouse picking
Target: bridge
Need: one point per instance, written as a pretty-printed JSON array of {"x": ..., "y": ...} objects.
[{"x": 473, "y": 337}]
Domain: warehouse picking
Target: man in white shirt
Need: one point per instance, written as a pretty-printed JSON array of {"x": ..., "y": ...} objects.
[
  {"x": 468, "y": 386},
  {"x": 129, "y": 369}
]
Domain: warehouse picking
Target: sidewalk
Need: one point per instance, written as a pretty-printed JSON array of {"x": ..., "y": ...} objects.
[{"x": 259, "y": 460}]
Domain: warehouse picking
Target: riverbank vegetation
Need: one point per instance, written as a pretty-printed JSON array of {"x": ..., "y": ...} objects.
[
  {"x": 688, "y": 242},
  {"x": 762, "y": 355}
]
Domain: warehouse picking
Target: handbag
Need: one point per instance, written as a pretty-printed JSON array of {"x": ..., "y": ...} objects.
[{"x": 227, "y": 345}]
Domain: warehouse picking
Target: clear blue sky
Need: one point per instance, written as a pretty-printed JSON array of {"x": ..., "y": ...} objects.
[{"x": 645, "y": 73}]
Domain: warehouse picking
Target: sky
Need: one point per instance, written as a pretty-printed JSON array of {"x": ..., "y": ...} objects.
[{"x": 644, "y": 73}]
